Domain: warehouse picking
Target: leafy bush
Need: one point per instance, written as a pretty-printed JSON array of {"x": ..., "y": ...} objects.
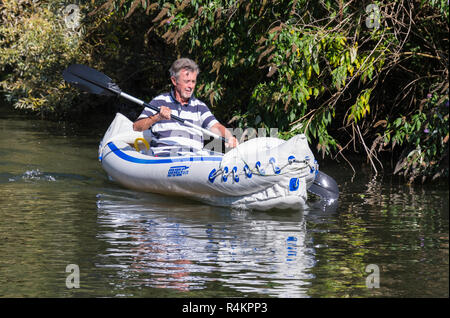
[
  {"x": 35, "y": 46},
  {"x": 426, "y": 133}
]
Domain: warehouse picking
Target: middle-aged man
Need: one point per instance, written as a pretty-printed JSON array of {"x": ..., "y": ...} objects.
[{"x": 170, "y": 136}]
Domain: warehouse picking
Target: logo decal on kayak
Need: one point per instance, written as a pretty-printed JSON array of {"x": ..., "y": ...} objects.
[{"x": 177, "y": 171}]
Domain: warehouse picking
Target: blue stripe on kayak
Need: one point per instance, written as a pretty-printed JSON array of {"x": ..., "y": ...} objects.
[{"x": 129, "y": 158}]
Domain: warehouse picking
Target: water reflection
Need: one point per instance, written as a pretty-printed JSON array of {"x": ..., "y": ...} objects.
[
  {"x": 186, "y": 246},
  {"x": 58, "y": 208},
  {"x": 400, "y": 228}
]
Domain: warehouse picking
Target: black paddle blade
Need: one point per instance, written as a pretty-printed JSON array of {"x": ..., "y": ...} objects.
[
  {"x": 90, "y": 80},
  {"x": 326, "y": 188}
]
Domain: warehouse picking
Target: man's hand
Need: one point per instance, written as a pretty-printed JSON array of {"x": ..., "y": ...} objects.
[
  {"x": 231, "y": 142},
  {"x": 146, "y": 123},
  {"x": 220, "y": 129},
  {"x": 164, "y": 113}
]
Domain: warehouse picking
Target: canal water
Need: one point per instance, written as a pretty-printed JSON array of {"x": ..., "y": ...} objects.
[{"x": 60, "y": 215}]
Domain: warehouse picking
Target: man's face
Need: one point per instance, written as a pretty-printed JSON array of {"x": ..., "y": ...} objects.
[{"x": 185, "y": 84}]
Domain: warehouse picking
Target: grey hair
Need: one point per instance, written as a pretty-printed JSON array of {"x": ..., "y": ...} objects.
[{"x": 183, "y": 63}]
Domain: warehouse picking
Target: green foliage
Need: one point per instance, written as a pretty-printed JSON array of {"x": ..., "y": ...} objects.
[
  {"x": 426, "y": 132},
  {"x": 361, "y": 107},
  {"x": 35, "y": 46}
]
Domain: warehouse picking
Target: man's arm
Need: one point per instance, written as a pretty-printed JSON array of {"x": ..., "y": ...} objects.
[{"x": 147, "y": 122}]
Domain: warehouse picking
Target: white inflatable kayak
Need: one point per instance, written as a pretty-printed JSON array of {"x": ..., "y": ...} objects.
[{"x": 261, "y": 174}]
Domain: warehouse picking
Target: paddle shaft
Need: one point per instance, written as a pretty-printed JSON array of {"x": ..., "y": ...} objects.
[
  {"x": 187, "y": 123},
  {"x": 96, "y": 82}
]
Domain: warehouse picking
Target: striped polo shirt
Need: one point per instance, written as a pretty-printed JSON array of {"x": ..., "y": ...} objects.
[{"x": 171, "y": 137}]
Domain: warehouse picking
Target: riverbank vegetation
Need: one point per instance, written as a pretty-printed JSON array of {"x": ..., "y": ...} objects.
[{"x": 365, "y": 77}]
